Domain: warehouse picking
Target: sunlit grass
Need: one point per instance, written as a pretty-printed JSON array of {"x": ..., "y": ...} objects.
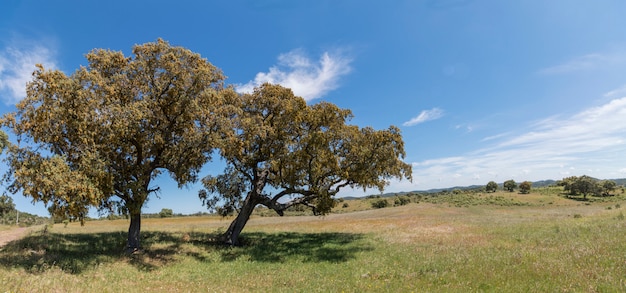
[{"x": 549, "y": 244}]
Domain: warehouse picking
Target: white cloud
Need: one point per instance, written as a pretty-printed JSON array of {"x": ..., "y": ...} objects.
[
  {"x": 587, "y": 62},
  {"x": 616, "y": 92},
  {"x": 592, "y": 142},
  {"x": 495, "y": 137},
  {"x": 308, "y": 79},
  {"x": 17, "y": 63},
  {"x": 425, "y": 115}
]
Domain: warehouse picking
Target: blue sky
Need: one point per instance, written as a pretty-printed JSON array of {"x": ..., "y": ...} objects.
[{"x": 482, "y": 90}]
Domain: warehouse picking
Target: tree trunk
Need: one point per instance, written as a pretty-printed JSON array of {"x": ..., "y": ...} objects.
[
  {"x": 231, "y": 236},
  {"x": 133, "y": 231}
]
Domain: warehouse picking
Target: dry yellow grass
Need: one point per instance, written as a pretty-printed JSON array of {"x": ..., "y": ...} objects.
[{"x": 551, "y": 244}]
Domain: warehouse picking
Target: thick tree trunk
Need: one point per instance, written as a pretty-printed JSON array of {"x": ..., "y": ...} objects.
[
  {"x": 133, "y": 232},
  {"x": 231, "y": 236}
]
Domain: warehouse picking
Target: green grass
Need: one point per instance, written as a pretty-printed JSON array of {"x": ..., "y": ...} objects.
[{"x": 548, "y": 244}]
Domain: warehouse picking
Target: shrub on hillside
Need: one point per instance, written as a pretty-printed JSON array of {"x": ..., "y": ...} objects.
[
  {"x": 379, "y": 204},
  {"x": 401, "y": 200}
]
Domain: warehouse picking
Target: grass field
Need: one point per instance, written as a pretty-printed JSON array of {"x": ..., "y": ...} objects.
[{"x": 500, "y": 242}]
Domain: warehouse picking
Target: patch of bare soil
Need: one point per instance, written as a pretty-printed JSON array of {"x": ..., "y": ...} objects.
[{"x": 13, "y": 234}]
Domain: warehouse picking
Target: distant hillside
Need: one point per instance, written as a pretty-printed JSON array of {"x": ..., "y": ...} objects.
[
  {"x": 540, "y": 183},
  {"x": 22, "y": 219},
  {"x": 619, "y": 182},
  {"x": 10, "y": 216}
]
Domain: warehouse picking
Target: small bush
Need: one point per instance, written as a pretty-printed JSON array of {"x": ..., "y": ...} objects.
[
  {"x": 166, "y": 213},
  {"x": 345, "y": 205},
  {"x": 379, "y": 204},
  {"x": 401, "y": 200}
]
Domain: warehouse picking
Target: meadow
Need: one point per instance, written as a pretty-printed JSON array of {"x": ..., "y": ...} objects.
[{"x": 502, "y": 242}]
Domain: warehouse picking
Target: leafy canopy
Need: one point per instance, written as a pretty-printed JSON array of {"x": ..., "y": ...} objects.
[
  {"x": 525, "y": 187},
  {"x": 100, "y": 135},
  {"x": 510, "y": 185},
  {"x": 306, "y": 153},
  {"x": 492, "y": 186}
]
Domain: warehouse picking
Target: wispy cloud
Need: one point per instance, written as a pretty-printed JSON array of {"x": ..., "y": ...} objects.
[
  {"x": 425, "y": 115},
  {"x": 307, "y": 78},
  {"x": 488, "y": 138},
  {"x": 587, "y": 62},
  {"x": 592, "y": 142},
  {"x": 17, "y": 63},
  {"x": 616, "y": 93}
]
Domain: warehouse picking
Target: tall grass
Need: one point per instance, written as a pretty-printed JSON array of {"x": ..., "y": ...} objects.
[{"x": 427, "y": 247}]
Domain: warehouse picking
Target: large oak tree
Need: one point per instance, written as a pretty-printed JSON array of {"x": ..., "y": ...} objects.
[
  {"x": 99, "y": 136},
  {"x": 282, "y": 152}
]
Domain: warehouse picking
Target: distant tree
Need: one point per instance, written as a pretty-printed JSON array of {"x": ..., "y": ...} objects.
[
  {"x": 525, "y": 187},
  {"x": 401, "y": 200},
  {"x": 166, "y": 213},
  {"x": 304, "y": 154},
  {"x": 492, "y": 186},
  {"x": 6, "y": 205},
  {"x": 608, "y": 186},
  {"x": 380, "y": 203},
  {"x": 568, "y": 184},
  {"x": 101, "y": 135},
  {"x": 587, "y": 185},
  {"x": 584, "y": 185},
  {"x": 510, "y": 185}
]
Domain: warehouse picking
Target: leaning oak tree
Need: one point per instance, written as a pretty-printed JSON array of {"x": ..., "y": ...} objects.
[
  {"x": 100, "y": 136},
  {"x": 282, "y": 152}
]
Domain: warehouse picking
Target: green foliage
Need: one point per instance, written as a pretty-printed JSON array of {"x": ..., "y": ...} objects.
[
  {"x": 608, "y": 187},
  {"x": 492, "y": 186},
  {"x": 510, "y": 185},
  {"x": 10, "y": 216},
  {"x": 468, "y": 199},
  {"x": 100, "y": 135},
  {"x": 6, "y": 205},
  {"x": 22, "y": 219},
  {"x": 525, "y": 187},
  {"x": 4, "y": 141},
  {"x": 166, "y": 213},
  {"x": 380, "y": 203},
  {"x": 401, "y": 200},
  {"x": 307, "y": 153},
  {"x": 587, "y": 185}
]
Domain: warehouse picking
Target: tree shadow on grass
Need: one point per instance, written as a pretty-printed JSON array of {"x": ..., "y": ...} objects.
[
  {"x": 577, "y": 198},
  {"x": 76, "y": 253},
  {"x": 291, "y": 246}
]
